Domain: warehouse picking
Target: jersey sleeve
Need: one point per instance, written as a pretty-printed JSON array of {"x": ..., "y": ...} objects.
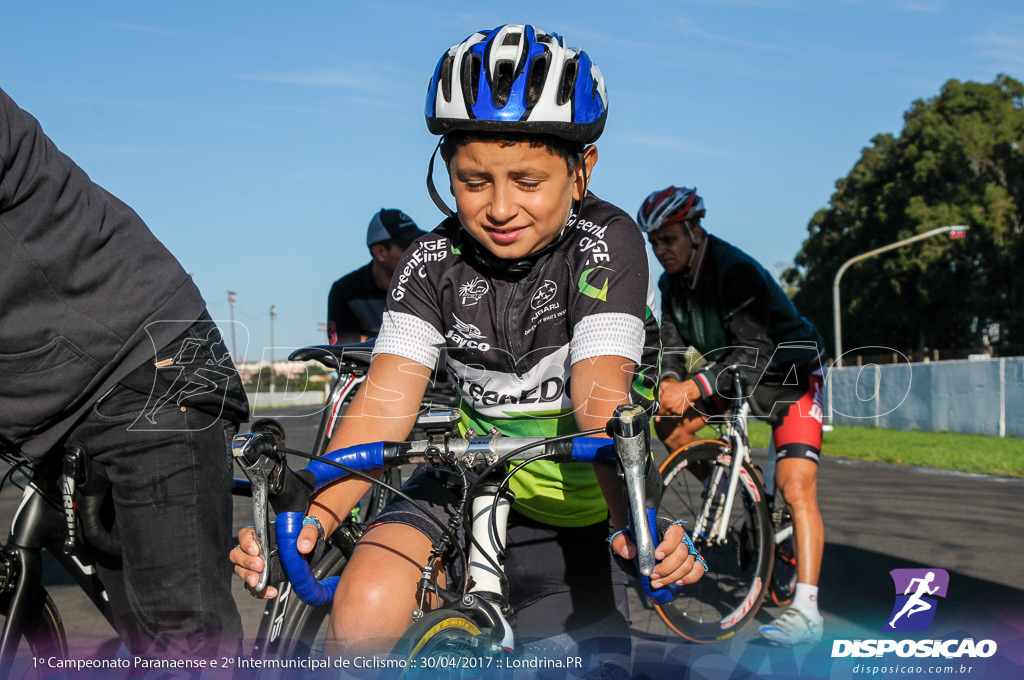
[
  {"x": 613, "y": 303},
  {"x": 411, "y": 326}
]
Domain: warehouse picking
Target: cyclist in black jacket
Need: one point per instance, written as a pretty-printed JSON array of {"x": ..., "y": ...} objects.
[
  {"x": 541, "y": 295},
  {"x": 719, "y": 301},
  {"x": 105, "y": 340}
]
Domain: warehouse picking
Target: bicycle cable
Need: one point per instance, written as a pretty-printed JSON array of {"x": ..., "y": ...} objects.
[
  {"x": 398, "y": 492},
  {"x": 486, "y": 472}
]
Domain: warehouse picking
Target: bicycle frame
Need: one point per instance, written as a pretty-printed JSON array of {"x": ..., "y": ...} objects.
[
  {"x": 736, "y": 438},
  {"x": 39, "y": 523}
]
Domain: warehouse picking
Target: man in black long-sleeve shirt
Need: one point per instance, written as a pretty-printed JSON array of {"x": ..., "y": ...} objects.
[{"x": 719, "y": 301}]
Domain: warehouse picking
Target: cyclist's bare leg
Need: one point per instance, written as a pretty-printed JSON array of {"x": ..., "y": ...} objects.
[
  {"x": 378, "y": 591},
  {"x": 798, "y": 480}
]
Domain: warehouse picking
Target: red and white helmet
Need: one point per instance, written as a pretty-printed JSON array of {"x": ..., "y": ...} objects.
[{"x": 675, "y": 204}]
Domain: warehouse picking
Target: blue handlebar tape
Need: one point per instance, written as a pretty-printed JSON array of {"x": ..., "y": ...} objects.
[
  {"x": 362, "y": 457},
  {"x": 289, "y": 524},
  {"x": 593, "y": 449},
  {"x": 305, "y": 585}
]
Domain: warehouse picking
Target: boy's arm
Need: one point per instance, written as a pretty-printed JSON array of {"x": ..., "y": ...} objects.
[
  {"x": 599, "y": 385},
  {"x": 384, "y": 409}
]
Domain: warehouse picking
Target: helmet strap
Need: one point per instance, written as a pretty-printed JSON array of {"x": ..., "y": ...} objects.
[{"x": 431, "y": 189}]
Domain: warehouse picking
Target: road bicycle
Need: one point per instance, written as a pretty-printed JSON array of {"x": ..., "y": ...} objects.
[
  {"x": 738, "y": 521},
  {"x": 62, "y": 515},
  {"x": 471, "y": 622}
]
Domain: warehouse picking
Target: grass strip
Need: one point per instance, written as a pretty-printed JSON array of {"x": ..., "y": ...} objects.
[{"x": 1001, "y": 456}]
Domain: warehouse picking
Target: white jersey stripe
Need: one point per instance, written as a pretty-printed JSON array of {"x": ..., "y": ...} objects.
[
  {"x": 607, "y": 334},
  {"x": 408, "y": 336}
]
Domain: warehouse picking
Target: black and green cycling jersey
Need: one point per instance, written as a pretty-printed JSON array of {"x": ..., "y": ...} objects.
[
  {"x": 734, "y": 314},
  {"x": 512, "y": 334}
]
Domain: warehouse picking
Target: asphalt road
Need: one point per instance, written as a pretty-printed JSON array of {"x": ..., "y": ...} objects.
[{"x": 877, "y": 518}]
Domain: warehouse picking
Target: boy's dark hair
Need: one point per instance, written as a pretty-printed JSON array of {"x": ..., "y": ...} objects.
[{"x": 456, "y": 139}]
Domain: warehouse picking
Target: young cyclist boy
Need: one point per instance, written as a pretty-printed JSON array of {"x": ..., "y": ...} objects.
[{"x": 541, "y": 294}]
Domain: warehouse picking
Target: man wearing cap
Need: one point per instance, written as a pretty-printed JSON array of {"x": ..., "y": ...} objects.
[{"x": 355, "y": 305}]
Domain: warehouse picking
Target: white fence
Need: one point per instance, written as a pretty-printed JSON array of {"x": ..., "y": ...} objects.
[
  {"x": 974, "y": 397},
  {"x": 267, "y": 400}
]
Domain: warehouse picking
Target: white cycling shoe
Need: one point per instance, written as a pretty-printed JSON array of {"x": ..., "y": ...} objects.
[{"x": 792, "y": 627}]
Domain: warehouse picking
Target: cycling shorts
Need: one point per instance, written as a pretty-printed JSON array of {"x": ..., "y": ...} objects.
[{"x": 563, "y": 582}]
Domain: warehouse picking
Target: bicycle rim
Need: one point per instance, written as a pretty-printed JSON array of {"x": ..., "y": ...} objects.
[
  {"x": 443, "y": 642},
  {"x": 729, "y": 595},
  {"x": 43, "y": 637},
  {"x": 303, "y": 626}
]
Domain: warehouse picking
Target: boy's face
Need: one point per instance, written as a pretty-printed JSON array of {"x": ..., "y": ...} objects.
[{"x": 514, "y": 200}]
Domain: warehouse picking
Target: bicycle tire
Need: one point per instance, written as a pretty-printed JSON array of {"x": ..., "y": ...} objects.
[
  {"x": 443, "y": 641},
  {"x": 782, "y": 583},
  {"x": 303, "y": 630},
  {"x": 43, "y": 637},
  {"x": 729, "y": 595}
]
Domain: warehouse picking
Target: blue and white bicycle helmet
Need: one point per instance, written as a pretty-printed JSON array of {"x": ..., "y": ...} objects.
[{"x": 517, "y": 78}]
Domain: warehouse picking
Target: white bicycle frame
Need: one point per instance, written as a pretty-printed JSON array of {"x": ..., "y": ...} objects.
[{"x": 736, "y": 437}]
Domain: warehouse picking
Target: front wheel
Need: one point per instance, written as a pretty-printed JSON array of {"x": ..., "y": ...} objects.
[
  {"x": 727, "y": 597},
  {"x": 445, "y": 643},
  {"x": 41, "y": 636}
]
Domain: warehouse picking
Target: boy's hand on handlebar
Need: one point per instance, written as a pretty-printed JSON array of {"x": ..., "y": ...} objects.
[
  {"x": 675, "y": 564},
  {"x": 623, "y": 547},
  {"x": 249, "y": 564}
]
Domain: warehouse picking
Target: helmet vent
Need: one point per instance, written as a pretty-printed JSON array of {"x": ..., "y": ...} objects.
[
  {"x": 502, "y": 82},
  {"x": 445, "y": 77},
  {"x": 471, "y": 77},
  {"x": 568, "y": 83},
  {"x": 538, "y": 74},
  {"x": 511, "y": 39}
]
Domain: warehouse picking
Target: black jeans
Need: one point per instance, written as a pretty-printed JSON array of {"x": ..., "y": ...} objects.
[{"x": 169, "y": 467}]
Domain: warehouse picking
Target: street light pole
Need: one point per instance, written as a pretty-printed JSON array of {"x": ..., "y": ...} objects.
[
  {"x": 231, "y": 302},
  {"x": 955, "y": 230},
  {"x": 273, "y": 375}
]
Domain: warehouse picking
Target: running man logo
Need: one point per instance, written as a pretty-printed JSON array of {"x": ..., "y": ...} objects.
[{"x": 916, "y": 593}]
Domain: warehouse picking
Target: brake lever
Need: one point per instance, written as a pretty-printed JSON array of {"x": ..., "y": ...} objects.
[
  {"x": 256, "y": 453},
  {"x": 630, "y": 428}
]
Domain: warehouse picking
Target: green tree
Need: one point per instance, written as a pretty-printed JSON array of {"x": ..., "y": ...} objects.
[{"x": 958, "y": 161}]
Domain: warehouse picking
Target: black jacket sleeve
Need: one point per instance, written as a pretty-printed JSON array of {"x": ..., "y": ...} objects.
[{"x": 747, "y": 322}]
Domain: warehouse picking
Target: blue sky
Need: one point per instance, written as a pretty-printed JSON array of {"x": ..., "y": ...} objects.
[{"x": 257, "y": 139}]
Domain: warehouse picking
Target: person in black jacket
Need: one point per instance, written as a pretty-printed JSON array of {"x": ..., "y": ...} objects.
[
  {"x": 105, "y": 341},
  {"x": 719, "y": 301}
]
